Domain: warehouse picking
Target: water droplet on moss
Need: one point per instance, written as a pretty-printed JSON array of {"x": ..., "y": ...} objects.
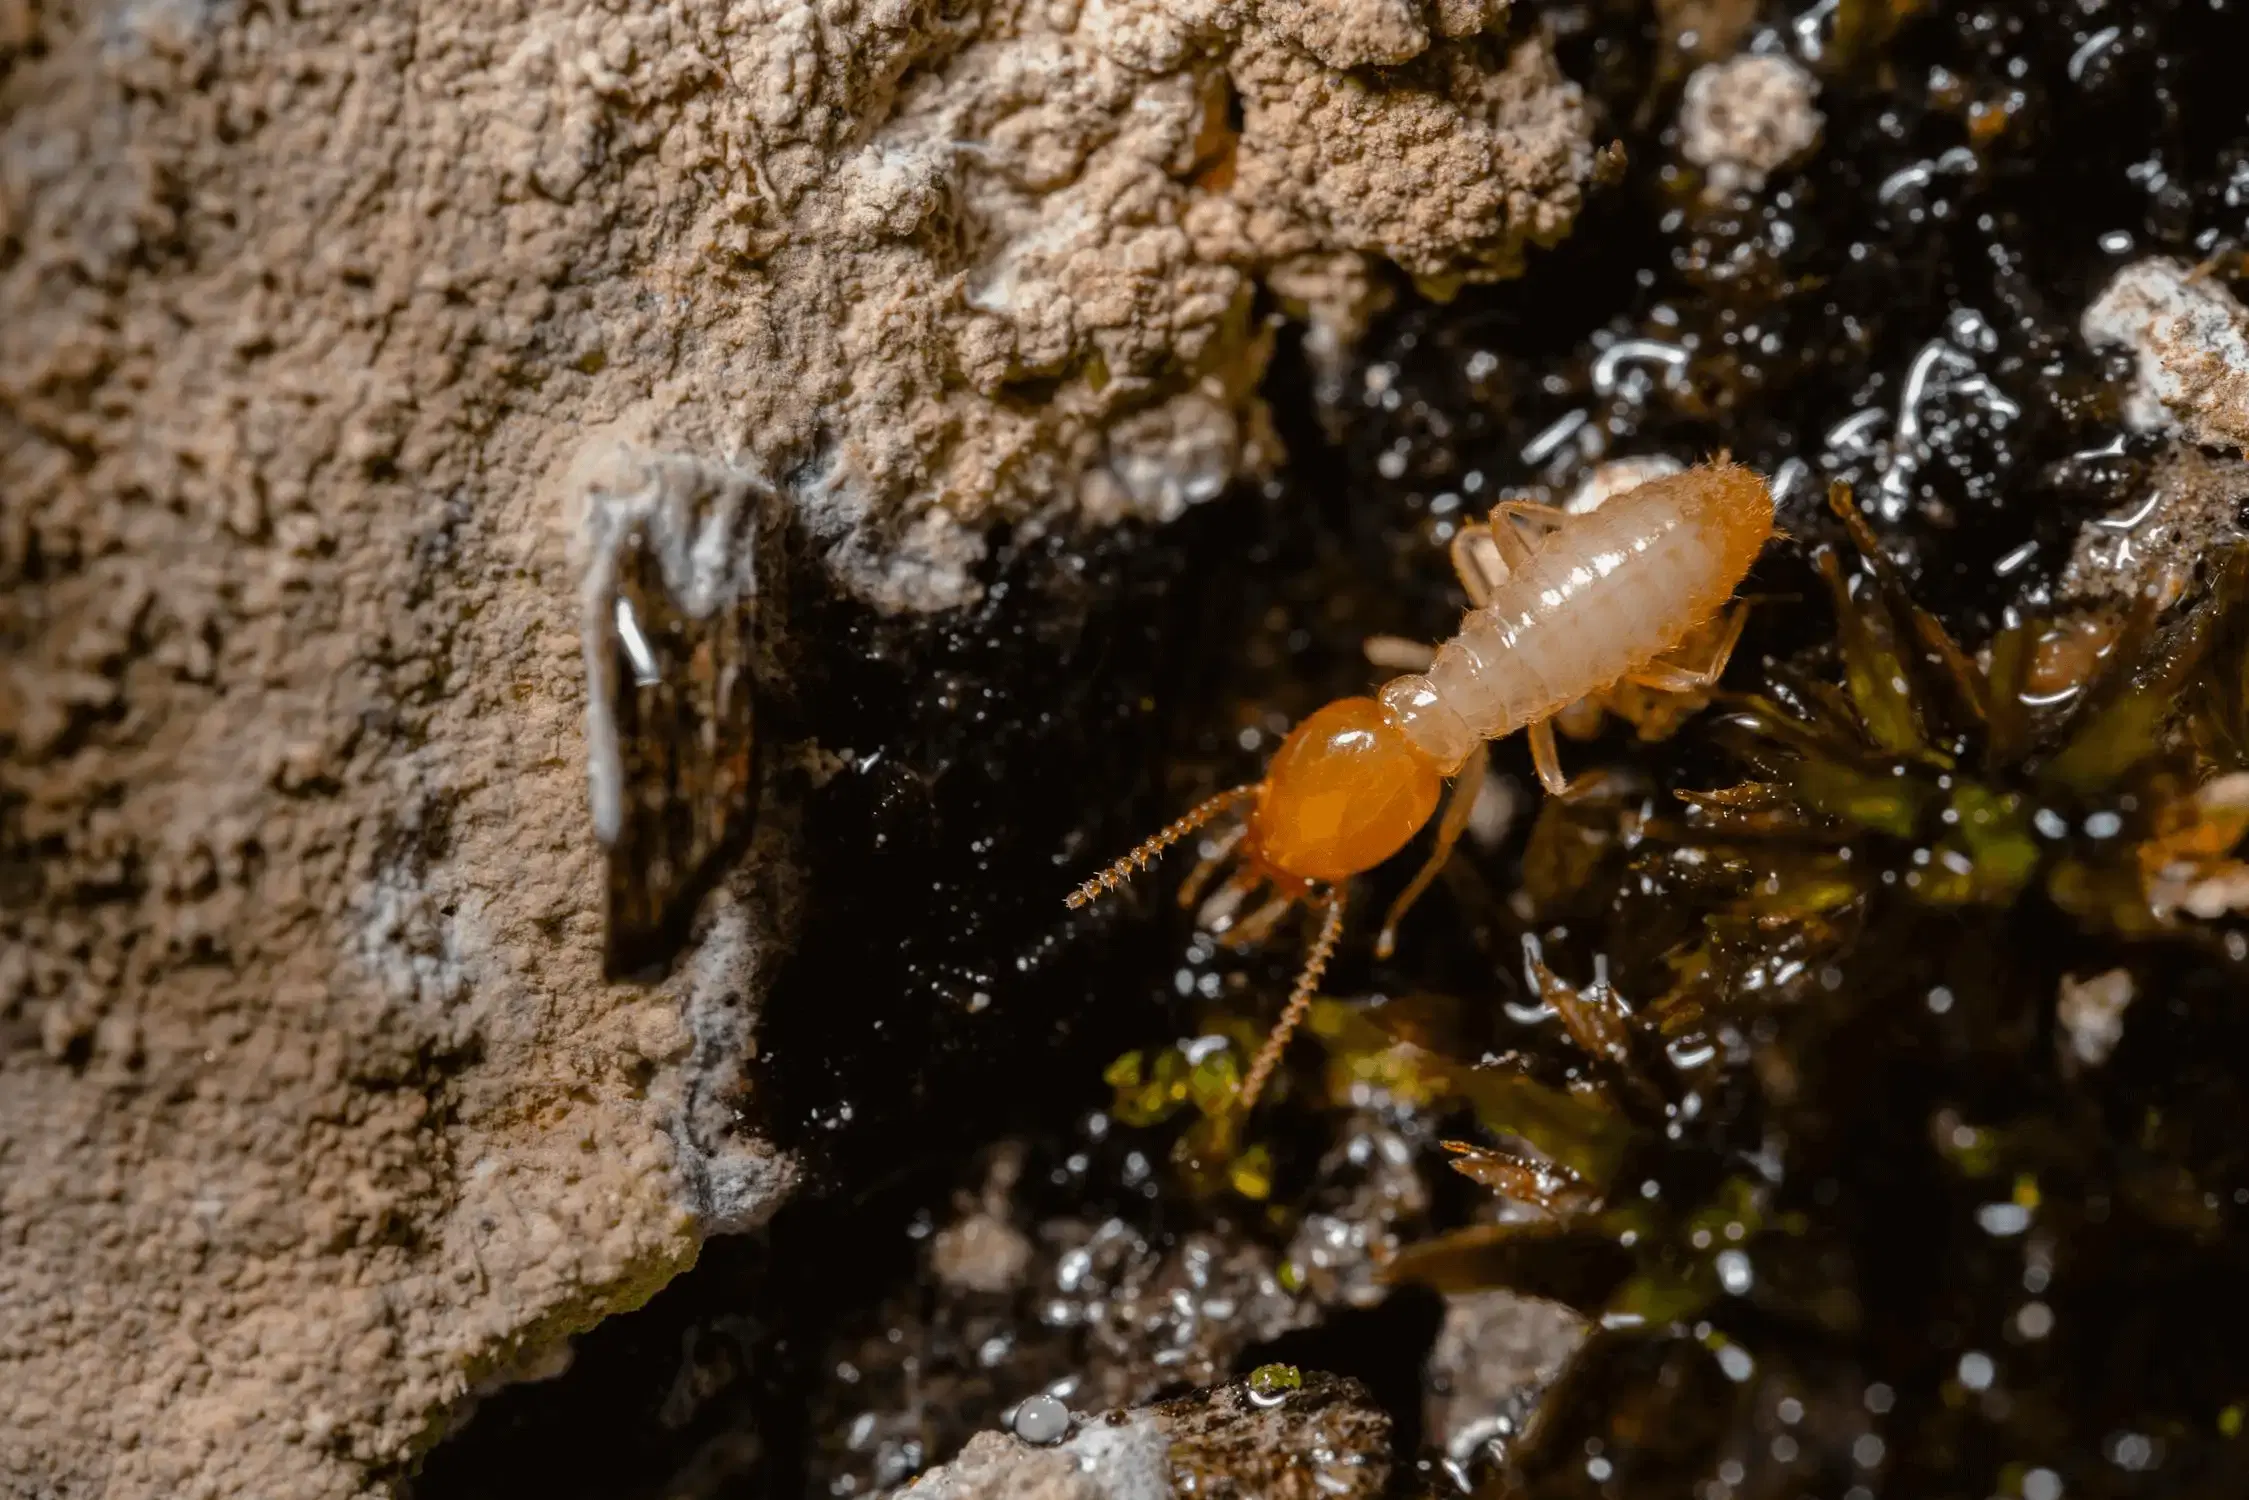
[{"x": 1269, "y": 1385}]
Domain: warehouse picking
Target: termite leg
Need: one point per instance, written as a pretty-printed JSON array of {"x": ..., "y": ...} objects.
[
  {"x": 1480, "y": 562},
  {"x": 1208, "y": 865},
  {"x": 1216, "y": 916},
  {"x": 1700, "y": 665},
  {"x": 1531, "y": 510},
  {"x": 1485, "y": 555},
  {"x": 1511, "y": 542},
  {"x": 1467, "y": 786},
  {"x": 1547, "y": 758},
  {"x": 1299, "y": 1000},
  {"x": 1665, "y": 679},
  {"x": 1254, "y": 928}
]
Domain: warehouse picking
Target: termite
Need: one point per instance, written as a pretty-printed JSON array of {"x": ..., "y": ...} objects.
[{"x": 1638, "y": 594}]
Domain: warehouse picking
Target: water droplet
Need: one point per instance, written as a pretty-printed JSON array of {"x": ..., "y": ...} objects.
[
  {"x": 1270, "y": 1385},
  {"x": 2001, "y": 1220},
  {"x": 1042, "y": 1420}
]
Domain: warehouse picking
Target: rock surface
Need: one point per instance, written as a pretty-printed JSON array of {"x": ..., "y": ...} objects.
[
  {"x": 1324, "y": 1441},
  {"x": 1496, "y": 1353},
  {"x": 2190, "y": 513},
  {"x": 2189, "y": 340},
  {"x": 316, "y": 1113}
]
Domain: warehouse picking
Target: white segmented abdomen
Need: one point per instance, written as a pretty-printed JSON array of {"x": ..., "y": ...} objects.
[{"x": 1599, "y": 599}]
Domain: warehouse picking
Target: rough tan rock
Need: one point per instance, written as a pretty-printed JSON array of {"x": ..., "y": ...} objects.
[
  {"x": 2189, "y": 340},
  {"x": 315, "y": 1112},
  {"x": 1495, "y": 166},
  {"x": 1102, "y": 1460},
  {"x": 1371, "y": 33}
]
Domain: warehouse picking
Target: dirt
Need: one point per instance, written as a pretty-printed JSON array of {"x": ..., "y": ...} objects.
[{"x": 316, "y": 1114}]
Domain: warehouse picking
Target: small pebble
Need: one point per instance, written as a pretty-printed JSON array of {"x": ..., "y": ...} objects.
[
  {"x": 1042, "y": 1420},
  {"x": 1745, "y": 119}
]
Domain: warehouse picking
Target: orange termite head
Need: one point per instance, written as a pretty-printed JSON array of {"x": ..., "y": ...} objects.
[{"x": 1345, "y": 791}]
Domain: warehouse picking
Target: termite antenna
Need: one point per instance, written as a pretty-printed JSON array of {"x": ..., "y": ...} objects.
[
  {"x": 1144, "y": 856},
  {"x": 1299, "y": 1001}
]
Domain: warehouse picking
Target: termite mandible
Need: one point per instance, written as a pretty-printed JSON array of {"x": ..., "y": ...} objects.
[{"x": 1635, "y": 592}]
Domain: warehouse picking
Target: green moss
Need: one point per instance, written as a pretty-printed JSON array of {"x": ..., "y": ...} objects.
[
  {"x": 1271, "y": 1381},
  {"x": 1843, "y": 1141}
]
